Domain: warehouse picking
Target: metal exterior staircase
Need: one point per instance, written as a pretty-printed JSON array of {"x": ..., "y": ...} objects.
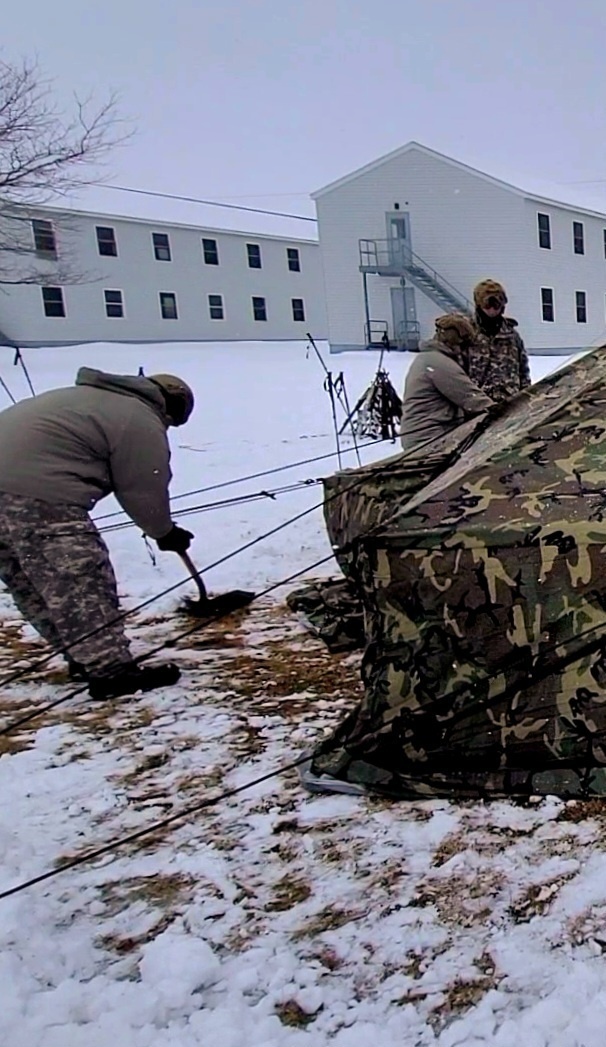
[{"x": 394, "y": 258}]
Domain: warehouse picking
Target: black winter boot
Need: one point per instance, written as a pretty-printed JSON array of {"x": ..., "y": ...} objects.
[
  {"x": 132, "y": 678},
  {"x": 75, "y": 670}
]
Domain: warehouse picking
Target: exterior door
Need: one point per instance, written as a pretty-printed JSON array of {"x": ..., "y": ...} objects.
[
  {"x": 398, "y": 235},
  {"x": 404, "y": 317}
]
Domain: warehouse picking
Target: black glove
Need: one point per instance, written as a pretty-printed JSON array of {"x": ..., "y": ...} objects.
[{"x": 178, "y": 540}]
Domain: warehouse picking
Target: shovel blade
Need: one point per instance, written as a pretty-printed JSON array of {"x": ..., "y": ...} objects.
[{"x": 218, "y": 606}]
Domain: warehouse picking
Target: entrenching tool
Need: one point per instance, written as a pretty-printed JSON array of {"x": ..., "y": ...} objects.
[{"x": 211, "y": 606}]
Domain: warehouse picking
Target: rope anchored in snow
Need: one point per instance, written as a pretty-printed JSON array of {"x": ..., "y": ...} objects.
[
  {"x": 138, "y": 834},
  {"x": 243, "y": 548}
]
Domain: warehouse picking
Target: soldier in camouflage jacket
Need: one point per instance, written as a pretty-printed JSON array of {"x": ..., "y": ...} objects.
[{"x": 499, "y": 362}]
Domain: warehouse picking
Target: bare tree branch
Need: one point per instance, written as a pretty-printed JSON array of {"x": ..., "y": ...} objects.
[{"x": 45, "y": 154}]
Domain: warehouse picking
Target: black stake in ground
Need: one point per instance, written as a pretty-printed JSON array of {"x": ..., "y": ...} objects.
[
  {"x": 339, "y": 389},
  {"x": 330, "y": 389}
]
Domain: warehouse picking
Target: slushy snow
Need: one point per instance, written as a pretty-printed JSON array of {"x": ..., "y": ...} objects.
[{"x": 275, "y": 918}]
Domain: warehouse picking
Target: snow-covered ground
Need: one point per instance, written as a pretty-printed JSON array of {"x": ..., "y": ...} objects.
[{"x": 274, "y": 919}]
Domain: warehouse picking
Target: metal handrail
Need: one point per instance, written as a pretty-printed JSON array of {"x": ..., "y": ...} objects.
[
  {"x": 409, "y": 331},
  {"x": 372, "y": 249},
  {"x": 380, "y": 326}
]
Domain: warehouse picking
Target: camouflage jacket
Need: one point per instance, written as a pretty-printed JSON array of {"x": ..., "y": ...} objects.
[{"x": 498, "y": 362}]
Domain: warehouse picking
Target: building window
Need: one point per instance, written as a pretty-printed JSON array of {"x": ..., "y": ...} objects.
[
  {"x": 161, "y": 247},
  {"x": 259, "y": 308},
  {"x": 215, "y": 306},
  {"x": 578, "y": 237},
  {"x": 544, "y": 223},
  {"x": 114, "y": 303},
  {"x": 210, "y": 251},
  {"x": 254, "y": 256},
  {"x": 106, "y": 241},
  {"x": 547, "y": 306},
  {"x": 52, "y": 300},
  {"x": 581, "y": 306},
  {"x": 168, "y": 305},
  {"x": 294, "y": 262},
  {"x": 298, "y": 310},
  {"x": 44, "y": 238}
]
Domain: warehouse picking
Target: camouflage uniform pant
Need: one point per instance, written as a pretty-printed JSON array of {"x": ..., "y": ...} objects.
[{"x": 57, "y": 569}]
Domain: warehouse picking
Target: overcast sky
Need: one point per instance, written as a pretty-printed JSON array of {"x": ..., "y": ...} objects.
[{"x": 254, "y": 99}]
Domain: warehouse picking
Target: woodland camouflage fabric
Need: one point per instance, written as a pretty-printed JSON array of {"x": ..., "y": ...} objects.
[
  {"x": 498, "y": 362},
  {"x": 334, "y": 611},
  {"x": 485, "y": 606}
]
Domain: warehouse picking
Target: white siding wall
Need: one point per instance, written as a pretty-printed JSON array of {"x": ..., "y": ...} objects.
[
  {"x": 468, "y": 229},
  {"x": 141, "y": 277},
  {"x": 462, "y": 225},
  {"x": 564, "y": 271}
]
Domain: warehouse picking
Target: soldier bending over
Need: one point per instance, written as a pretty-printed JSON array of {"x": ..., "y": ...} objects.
[{"x": 60, "y": 453}]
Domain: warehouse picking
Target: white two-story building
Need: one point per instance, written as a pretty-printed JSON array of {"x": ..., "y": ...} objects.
[
  {"x": 110, "y": 278},
  {"x": 408, "y": 236}
]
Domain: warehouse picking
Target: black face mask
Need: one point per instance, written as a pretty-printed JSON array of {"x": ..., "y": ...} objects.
[{"x": 488, "y": 324}]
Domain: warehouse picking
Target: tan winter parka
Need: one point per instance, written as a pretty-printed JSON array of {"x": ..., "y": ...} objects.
[{"x": 438, "y": 396}]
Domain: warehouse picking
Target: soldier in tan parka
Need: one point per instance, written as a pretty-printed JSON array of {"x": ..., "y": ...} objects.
[
  {"x": 438, "y": 393},
  {"x": 499, "y": 362}
]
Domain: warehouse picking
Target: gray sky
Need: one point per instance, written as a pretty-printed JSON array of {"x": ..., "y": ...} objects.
[{"x": 253, "y": 99}]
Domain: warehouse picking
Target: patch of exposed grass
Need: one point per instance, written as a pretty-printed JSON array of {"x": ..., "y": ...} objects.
[
  {"x": 461, "y": 996},
  {"x": 328, "y": 958},
  {"x": 291, "y": 1013},
  {"x": 536, "y": 899},
  {"x": 284, "y": 682},
  {"x": 288, "y": 893},
  {"x": 450, "y": 846},
  {"x": 123, "y": 946},
  {"x": 284, "y": 851},
  {"x": 461, "y": 901},
  {"x": 162, "y": 890},
  {"x": 329, "y": 919},
  {"x": 582, "y": 810},
  {"x": 149, "y": 763}
]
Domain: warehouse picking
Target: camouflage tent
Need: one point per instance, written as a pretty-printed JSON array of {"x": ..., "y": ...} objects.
[{"x": 484, "y": 595}]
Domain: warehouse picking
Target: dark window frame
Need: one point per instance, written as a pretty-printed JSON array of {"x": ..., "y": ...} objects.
[
  {"x": 293, "y": 257},
  {"x": 116, "y": 304},
  {"x": 253, "y": 256},
  {"x": 107, "y": 246},
  {"x": 216, "y": 307},
  {"x": 547, "y": 305},
  {"x": 171, "y": 296},
  {"x": 210, "y": 251},
  {"x": 578, "y": 237},
  {"x": 544, "y": 230},
  {"x": 259, "y": 307},
  {"x": 298, "y": 306},
  {"x": 160, "y": 244},
  {"x": 580, "y": 302},
  {"x": 51, "y": 300},
  {"x": 44, "y": 236}
]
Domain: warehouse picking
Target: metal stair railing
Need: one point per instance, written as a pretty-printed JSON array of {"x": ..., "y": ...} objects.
[
  {"x": 409, "y": 334},
  {"x": 393, "y": 255},
  {"x": 374, "y": 331}
]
